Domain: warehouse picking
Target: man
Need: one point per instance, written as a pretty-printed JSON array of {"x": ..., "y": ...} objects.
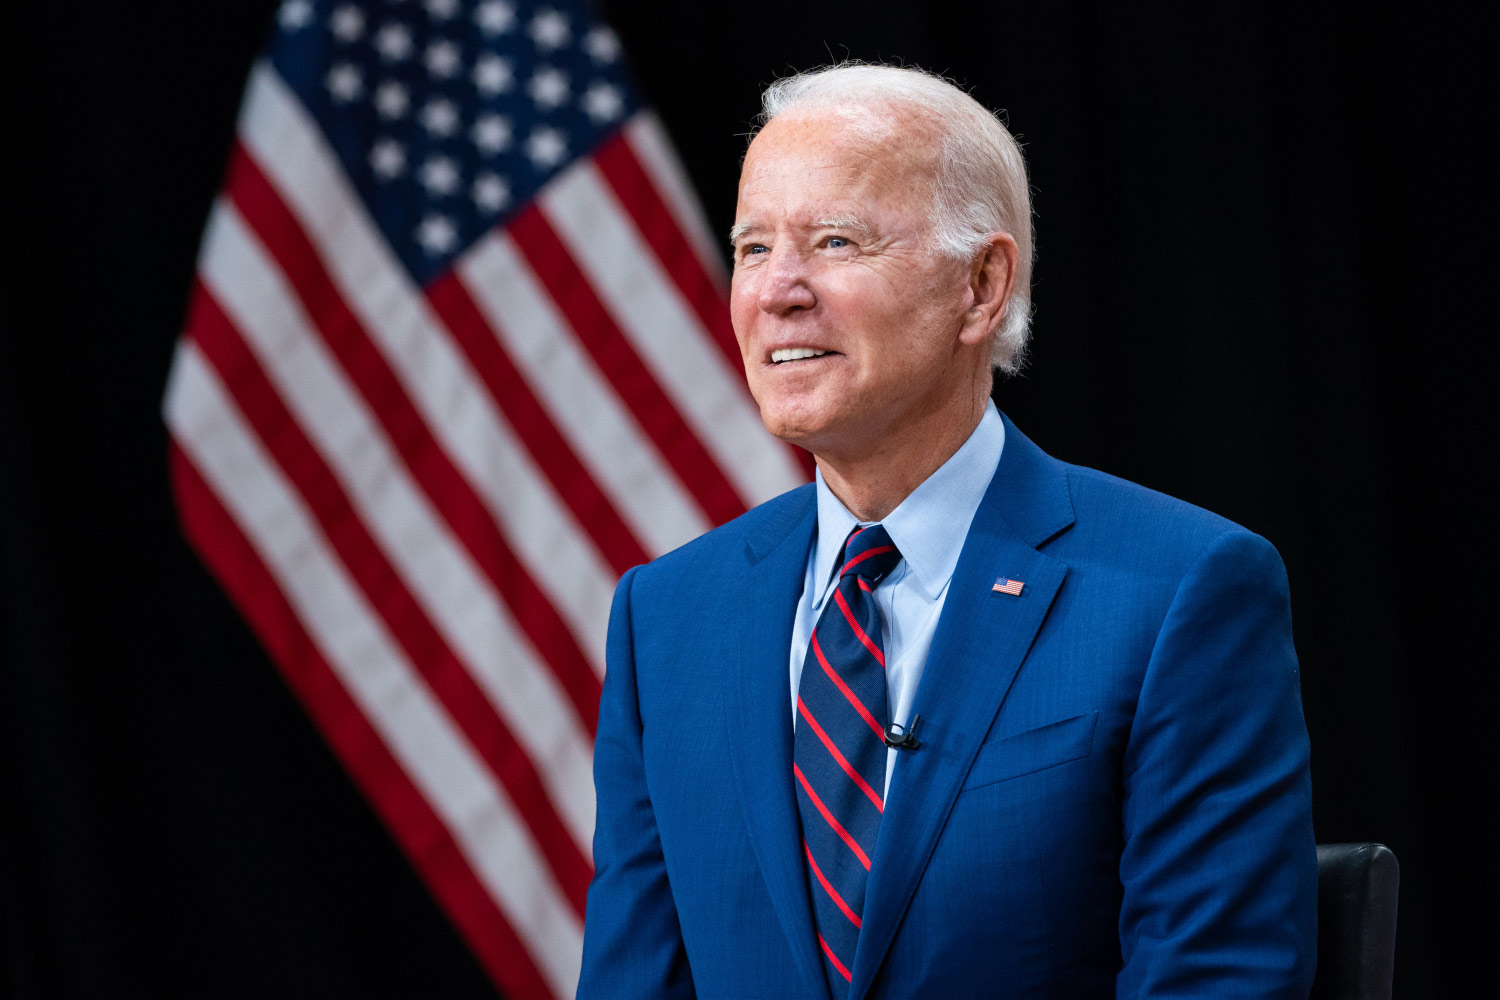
[{"x": 1107, "y": 791}]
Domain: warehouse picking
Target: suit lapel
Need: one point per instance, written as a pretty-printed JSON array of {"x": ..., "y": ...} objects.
[
  {"x": 981, "y": 640},
  {"x": 761, "y": 748}
]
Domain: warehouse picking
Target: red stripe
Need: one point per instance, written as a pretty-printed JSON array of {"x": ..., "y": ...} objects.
[
  {"x": 641, "y": 199},
  {"x": 231, "y": 558},
  {"x": 833, "y": 675},
  {"x": 450, "y": 492},
  {"x": 864, "y": 786},
  {"x": 838, "y": 827},
  {"x": 865, "y": 586},
  {"x": 425, "y": 647},
  {"x": 596, "y": 330},
  {"x": 865, "y": 555},
  {"x": 859, "y": 633},
  {"x": 828, "y": 887},
  {"x": 538, "y": 433},
  {"x": 834, "y": 959}
]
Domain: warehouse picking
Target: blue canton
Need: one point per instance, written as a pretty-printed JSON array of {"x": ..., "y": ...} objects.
[{"x": 449, "y": 116}]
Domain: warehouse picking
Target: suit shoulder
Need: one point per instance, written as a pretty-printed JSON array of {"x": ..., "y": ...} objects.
[
  {"x": 1108, "y": 508},
  {"x": 710, "y": 549}
]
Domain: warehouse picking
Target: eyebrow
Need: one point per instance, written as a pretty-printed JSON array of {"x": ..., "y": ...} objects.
[
  {"x": 836, "y": 222},
  {"x": 737, "y": 231}
]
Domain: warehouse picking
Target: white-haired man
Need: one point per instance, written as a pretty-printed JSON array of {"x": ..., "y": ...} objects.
[{"x": 957, "y": 720}]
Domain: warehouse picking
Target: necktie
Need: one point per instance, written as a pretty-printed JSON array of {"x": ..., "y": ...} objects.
[{"x": 839, "y": 751}]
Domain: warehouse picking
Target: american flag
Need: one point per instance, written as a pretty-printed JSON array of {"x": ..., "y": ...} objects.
[
  {"x": 457, "y": 356},
  {"x": 1007, "y": 586}
]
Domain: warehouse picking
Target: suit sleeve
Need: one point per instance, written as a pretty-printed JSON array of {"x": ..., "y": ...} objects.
[
  {"x": 632, "y": 943},
  {"x": 1219, "y": 866}
]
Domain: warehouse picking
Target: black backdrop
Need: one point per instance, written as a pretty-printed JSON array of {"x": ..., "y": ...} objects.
[{"x": 1266, "y": 285}]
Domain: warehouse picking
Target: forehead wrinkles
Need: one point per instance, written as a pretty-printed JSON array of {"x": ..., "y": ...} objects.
[{"x": 887, "y": 153}]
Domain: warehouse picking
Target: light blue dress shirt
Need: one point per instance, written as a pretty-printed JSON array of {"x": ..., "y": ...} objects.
[{"x": 929, "y": 527}]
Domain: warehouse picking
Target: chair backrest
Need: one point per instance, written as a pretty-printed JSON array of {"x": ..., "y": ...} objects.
[{"x": 1357, "y": 887}]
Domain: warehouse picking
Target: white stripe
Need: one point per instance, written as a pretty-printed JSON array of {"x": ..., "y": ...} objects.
[
  {"x": 666, "y": 333},
  {"x": 579, "y": 398},
  {"x": 456, "y": 596},
  {"x": 649, "y": 141},
  {"x": 485, "y": 824},
  {"x": 453, "y": 402}
]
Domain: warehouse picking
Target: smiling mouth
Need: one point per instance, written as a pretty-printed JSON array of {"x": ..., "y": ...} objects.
[{"x": 796, "y": 354}]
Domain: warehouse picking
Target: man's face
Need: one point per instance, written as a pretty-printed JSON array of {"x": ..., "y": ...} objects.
[{"x": 832, "y": 256}]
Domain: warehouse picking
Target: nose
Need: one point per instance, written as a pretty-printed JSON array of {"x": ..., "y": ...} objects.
[{"x": 785, "y": 286}]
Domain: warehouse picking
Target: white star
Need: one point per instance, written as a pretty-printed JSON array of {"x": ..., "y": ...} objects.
[
  {"x": 443, "y": 58},
  {"x": 602, "y": 45},
  {"x": 393, "y": 42},
  {"x": 388, "y": 159},
  {"x": 345, "y": 83},
  {"x": 546, "y": 147},
  {"x": 442, "y": 9},
  {"x": 391, "y": 99},
  {"x": 439, "y": 176},
  {"x": 491, "y": 193},
  {"x": 295, "y": 14},
  {"x": 493, "y": 75},
  {"x": 495, "y": 17},
  {"x": 491, "y": 133},
  {"x": 436, "y": 234},
  {"x": 549, "y": 30},
  {"x": 548, "y": 87},
  {"x": 347, "y": 23},
  {"x": 602, "y": 103},
  {"x": 439, "y": 117}
]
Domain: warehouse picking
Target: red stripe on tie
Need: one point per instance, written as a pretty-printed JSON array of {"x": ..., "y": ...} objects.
[
  {"x": 834, "y": 959},
  {"x": 838, "y": 827},
  {"x": 833, "y": 675},
  {"x": 864, "y": 786},
  {"x": 828, "y": 888},
  {"x": 865, "y": 555},
  {"x": 843, "y": 762},
  {"x": 865, "y": 585},
  {"x": 859, "y": 633}
]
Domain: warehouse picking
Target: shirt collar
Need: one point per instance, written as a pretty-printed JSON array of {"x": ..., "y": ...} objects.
[{"x": 930, "y": 525}]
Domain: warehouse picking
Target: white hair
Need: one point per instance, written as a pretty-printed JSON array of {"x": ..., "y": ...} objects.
[{"x": 980, "y": 187}]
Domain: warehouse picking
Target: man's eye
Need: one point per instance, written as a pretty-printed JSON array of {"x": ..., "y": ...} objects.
[
  {"x": 756, "y": 248},
  {"x": 837, "y": 242}
]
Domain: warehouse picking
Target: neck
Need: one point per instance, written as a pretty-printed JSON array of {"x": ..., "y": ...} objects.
[{"x": 872, "y": 483}]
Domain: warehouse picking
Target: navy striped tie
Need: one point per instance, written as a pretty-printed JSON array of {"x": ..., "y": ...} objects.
[{"x": 839, "y": 751}]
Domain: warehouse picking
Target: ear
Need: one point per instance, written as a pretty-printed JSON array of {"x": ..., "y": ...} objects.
[{"x": 992, "y": 275}]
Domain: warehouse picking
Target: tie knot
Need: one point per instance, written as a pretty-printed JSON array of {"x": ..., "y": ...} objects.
[{"x": 869, "y": 553}]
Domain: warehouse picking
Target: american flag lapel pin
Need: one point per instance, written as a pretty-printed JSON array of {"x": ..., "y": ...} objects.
[{"x": 1004, "y": 585}]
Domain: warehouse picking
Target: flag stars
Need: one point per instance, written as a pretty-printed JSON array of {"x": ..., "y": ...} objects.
[
  {"x": 490, "y": 192},
  {"x": 602, "y": 45},
  {"x": 493, "y": 75},
  {"x": 443, "y": 58},
  {"x": 393, "y": 42},
  {"x": 345, "y": 82},
  {"x": 549, "y": 30},
  {"x": 603, "y": 103},
  {"x": 495, "y": 17},
  {"x": 391, "y": 100},
  {"x": 491, "y": 133},
  {"x": 436, "y": 234},
  {"x": 388, "y": 159},
  {"x": 347, "y": 23},
  {"x": 548, "y": 87},
  {"x": 442, "y": 10},
  {"x": 546, "y": 147},
  {"x": 439, "y": 116},
  {"x": 295, "y": 14},
  {"x": 439, "y": 176}
]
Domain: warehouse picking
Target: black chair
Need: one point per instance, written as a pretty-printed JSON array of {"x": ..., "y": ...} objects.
[{"x": 1357, "y": 886}]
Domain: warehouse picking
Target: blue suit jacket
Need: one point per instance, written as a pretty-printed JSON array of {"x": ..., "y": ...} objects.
[{"x": 1111, "y": 795}]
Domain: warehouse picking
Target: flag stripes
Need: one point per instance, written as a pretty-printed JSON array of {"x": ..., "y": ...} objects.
[{"x": 421, "y": 497}]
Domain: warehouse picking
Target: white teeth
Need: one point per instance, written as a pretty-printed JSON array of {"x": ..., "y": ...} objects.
[{"x": 795, "y": 354}]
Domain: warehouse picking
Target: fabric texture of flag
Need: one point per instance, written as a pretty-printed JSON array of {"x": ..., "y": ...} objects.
[{"x": 456, "y": 357}]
